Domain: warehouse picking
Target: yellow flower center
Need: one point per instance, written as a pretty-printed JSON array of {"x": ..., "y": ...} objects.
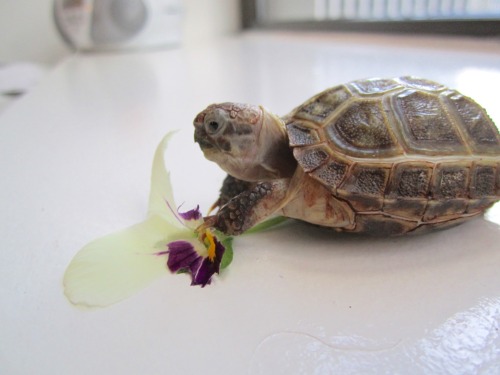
[{"x": 209, "y": 241}]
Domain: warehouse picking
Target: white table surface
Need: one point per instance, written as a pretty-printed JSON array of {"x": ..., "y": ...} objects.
[{"x": 75, "y": 157}]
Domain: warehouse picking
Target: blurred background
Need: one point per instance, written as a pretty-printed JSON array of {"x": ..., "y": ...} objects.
[
  {"x": 35, "y": 35},
  {"x": 444, "y": 11},
  {"x": 28, "y": 31}
]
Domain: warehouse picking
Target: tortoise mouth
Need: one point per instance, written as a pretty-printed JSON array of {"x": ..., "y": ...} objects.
[
  {"x": 204, "y": 143},
  {"x": 201, "y": 137},
  {"x": 219, "y": 144}
]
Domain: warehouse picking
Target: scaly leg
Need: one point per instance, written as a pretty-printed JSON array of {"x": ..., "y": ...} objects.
[
  {"x": 231, "y": 187},
  {"x": 250, "y": 207}
]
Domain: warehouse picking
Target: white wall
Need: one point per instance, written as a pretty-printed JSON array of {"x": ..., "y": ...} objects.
[
  {"x": 28, "y": 33},
  {"x": 207, "y": 19}
]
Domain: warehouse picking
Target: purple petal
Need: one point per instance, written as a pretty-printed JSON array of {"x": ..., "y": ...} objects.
[
  {"x": 204, "y": 272},
  {"x": 181, "y": 255},
  {"x": 219, "y": 253},
  {"x": 206, "y": 269},
  {"x": 194, "y": 214}
]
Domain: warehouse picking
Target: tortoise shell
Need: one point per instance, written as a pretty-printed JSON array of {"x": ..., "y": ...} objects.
[{"x": 406, "y": 151}]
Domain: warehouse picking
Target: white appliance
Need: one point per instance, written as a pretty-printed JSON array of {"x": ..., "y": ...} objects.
[{"x": 118, "y": 24}]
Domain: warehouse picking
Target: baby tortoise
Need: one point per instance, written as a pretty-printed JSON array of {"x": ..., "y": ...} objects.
[{"x": 377, "y": 156}]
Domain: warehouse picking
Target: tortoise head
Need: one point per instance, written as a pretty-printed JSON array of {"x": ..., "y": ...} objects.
[{"x": 242, "y": 139}]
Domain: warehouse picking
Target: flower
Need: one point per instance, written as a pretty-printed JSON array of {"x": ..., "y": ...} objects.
[
  {"x": 182, "y": 256},
  {"x": 113, "y": 267},
  {"x": 202, "y": 259}
]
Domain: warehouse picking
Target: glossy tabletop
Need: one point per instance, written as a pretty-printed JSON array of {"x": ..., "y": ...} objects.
[{"x": 75, "y": 159}]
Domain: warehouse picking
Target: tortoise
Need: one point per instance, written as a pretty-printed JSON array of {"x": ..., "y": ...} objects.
[{"x": 377, "y": 156}]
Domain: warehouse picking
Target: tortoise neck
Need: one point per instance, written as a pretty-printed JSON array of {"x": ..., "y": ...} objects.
[{"x": 273, "y": 139}]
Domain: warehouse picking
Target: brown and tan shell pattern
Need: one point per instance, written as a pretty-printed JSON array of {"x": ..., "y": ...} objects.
[{"x": 404, "y": 152}]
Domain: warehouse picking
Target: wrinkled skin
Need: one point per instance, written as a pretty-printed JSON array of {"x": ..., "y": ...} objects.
[{"x": 251, "y": 145}]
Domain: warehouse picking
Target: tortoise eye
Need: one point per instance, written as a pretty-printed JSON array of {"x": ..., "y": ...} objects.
[{"x": 213, "y": 126}]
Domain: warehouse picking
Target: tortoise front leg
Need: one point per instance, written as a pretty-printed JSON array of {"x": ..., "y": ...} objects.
[
  {"x": 231, "y": 187},
  {"x": 249, "y": 207}
]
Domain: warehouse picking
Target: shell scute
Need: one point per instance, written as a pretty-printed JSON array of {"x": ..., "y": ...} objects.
[
  {"x": 311, "y": 157},
  {"x": 478, "y": 205},
  {"x": 421, "y": 83},
  {"x": 426, "y": 124},
  {"x": 362, "y": 127},
  {"x": 332, "y": 173},
  {"x": 367, "y": 180},
  {"x": 364, "y": 186},
  {"x": 375, "y": 86},
  {"x": 483, "y": 181},
  {"x": 411, "y": 180},
  {"x": 451, "y": 208},
  {"x": 451, "y": 181},
  {"x": 382, "y": 225},
  {"x": 482, "y": 132},
  {"x": 320, "y": 107},
  {"x": 300, "y": 134},
  {"x": 411, "y": 208}
]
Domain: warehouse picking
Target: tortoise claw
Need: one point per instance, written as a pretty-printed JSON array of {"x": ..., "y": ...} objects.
[
  {"x": 208, "y": 222},
  {"x": 214, "y": 206}
]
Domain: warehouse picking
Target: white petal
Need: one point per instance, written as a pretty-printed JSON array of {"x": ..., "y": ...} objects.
[
  {"x": 160, "y": 194},
  {"x": 115, "y": 266}
]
